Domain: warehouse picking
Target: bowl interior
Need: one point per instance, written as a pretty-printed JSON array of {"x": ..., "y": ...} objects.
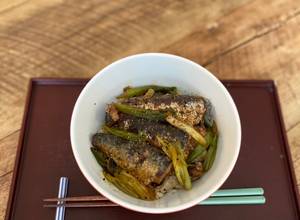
[{"x": 162, "y": 69}]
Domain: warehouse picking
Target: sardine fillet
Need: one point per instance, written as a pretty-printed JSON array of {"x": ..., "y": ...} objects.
[
  {"x": 152, "y": 129},
  {"x": 189, "y": 109},
  {"x": 147, "y": 163}
]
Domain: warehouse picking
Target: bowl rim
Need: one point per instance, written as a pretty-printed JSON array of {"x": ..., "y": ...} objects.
[{"x": 133, "y": 207}]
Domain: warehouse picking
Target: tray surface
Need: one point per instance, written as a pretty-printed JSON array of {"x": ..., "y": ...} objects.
[{"x": 45, "y": 155}]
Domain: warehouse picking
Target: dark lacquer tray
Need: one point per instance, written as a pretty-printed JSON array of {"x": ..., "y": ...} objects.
[{"x": 44, "y": 155}]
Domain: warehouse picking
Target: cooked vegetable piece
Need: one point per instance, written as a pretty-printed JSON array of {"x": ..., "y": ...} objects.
[
  {"x": 199, "y": 151},
  {"x": 124, "y": 134},
  {"x": 180, "y": 165},
  {"x": 141, "y": 90},
  {"x": 99, "y": 156},
  {"x": 164, "y": 146},
  {"x": 106, "y": 163},
  {"x": 143, "y": 191},
  {"x": 211, "y": 154},
  {"x": 121, "y": 186},
  {"x": 147, "y": 163},
  {"x": 112, "y": 167},
  {"x": 149, "y": 94},
  {"x": 130, "y": 185},
  {"x": 175, "y": 152},
  {"x": 196, "y": 154},
  {"x": 187, "y": 128},
  {"x": 141, "y": 113},
  {"x": 209, "y": 137}
]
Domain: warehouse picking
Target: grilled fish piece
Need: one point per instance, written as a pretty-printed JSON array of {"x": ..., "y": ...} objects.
[
  {"x": 147, "y": 163},
  {"x": 153, "y": 128},
  {"x": 189, "y": 109}
]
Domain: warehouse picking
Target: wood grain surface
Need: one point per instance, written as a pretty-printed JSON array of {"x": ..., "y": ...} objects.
[{"x": 239, "y": 39}]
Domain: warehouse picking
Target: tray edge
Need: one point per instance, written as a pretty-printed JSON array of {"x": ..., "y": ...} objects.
[
  {"x": 9, "y": 207},
  {"x": 287, "y": 150}
]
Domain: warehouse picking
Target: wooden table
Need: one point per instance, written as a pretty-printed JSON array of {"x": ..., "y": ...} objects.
[{"x": 240, "y": 39}]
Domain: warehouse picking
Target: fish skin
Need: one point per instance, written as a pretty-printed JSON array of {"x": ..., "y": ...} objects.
[
  {"x": 153, "y": 128},
  {"x": 147, "y": 163},
  {"x": 187, "y": 108}
]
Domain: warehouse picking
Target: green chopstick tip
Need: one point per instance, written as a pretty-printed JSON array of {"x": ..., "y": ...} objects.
[
  {"x": 239, "y": 192},
  {"x": 242, "y": 196},
  {"x": 234, "y": 200}
]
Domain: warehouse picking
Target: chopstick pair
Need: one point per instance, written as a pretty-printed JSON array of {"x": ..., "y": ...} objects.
[{"x": 243, "y": 196}]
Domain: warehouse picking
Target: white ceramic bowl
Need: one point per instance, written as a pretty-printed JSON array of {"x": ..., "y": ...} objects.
[{"x": 160, "y": 69}]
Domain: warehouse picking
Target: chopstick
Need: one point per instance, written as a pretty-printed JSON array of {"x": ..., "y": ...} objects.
[
  {"x": 84, "y": 205},
  {"x": 221, "y": 197},
  {"x": 62, "y": 192},
  {"x": 239, "y": 192},
  {"x": 236, "y": 200},
  {"x": 78, "y": 199}
]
